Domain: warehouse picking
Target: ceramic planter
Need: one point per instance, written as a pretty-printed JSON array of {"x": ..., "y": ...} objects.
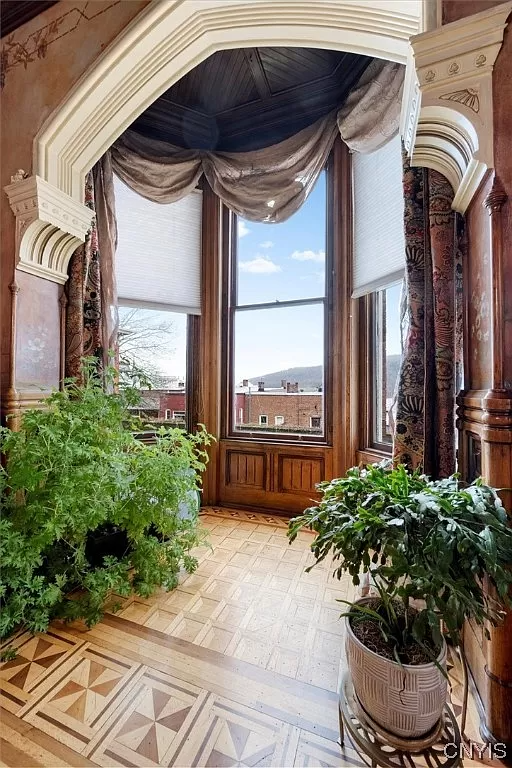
[{"x": 406, "y": 700}]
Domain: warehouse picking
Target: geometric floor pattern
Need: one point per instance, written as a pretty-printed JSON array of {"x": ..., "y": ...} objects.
[{"x": 239, "y": 666}]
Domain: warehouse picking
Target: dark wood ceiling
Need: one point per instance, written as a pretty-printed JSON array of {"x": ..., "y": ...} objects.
[
  {"x": 249, "y": 98},
  {"x": 14, "y": 13}
]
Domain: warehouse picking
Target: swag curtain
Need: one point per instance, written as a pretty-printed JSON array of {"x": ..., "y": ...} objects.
[
  {"x": 267, "y": 184},
  {"x": 429, "y": 376}
]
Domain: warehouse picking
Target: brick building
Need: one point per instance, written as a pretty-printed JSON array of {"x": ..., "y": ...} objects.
[
  {"x": 284, "y": 408},
  {"x": 163, "y": 404}
]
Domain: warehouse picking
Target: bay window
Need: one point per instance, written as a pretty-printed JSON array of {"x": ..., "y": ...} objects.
[{"x": 276, "y": 323}]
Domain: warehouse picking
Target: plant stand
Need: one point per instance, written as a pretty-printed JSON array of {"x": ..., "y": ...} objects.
[{"x": 378, "y": 747}]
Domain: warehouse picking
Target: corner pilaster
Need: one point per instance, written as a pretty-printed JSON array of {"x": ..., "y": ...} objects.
[{"x": 447, "y": 115}]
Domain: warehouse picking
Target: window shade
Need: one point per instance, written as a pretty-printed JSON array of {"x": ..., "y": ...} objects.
[
  {"x": 379, "y": 242},
  {"x": 158, "y": 257}
]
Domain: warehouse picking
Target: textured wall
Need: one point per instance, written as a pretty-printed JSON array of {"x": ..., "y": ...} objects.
[
  {"x": 42, "y": 61},
  {"x": 453, "y": 10}
]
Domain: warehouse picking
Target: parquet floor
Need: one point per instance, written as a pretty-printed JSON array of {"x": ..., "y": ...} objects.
[{"x": 238, "y": 666}]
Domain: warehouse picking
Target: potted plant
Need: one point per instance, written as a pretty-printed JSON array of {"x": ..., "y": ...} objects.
[
  {"x": 429, "y": 546},
  {"x": 87, "y": 507}
]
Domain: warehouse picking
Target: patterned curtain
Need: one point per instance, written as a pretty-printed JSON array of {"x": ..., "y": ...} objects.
[
  {"x": 91, "y": 314},
  {"x": 430, "y": 373}
]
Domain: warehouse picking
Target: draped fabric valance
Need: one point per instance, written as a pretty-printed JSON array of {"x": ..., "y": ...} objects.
[{"x": 267, "y": 184}]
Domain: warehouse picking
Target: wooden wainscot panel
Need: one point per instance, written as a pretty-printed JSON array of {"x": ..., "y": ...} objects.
[
  {"x": 272, "y": 476},
  {"x": 296, "y": 474},
  {"x": 246, "y": 469}
]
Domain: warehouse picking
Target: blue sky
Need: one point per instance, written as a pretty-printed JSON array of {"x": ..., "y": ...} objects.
[{"x": 279, "y": 261}]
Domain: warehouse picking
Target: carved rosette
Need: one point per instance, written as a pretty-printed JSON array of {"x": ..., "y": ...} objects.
[
  {"x": 50, "y": 225},
  {"x": 449, "y": 125}
]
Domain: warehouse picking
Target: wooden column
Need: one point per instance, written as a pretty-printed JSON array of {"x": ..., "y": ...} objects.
[
  {"x": 208, "y": 398},
  {"x": 11, "y": 404},
  {"x": 485, "y": 423}
]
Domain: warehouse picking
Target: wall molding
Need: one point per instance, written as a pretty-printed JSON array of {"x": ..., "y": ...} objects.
[
  {"x": 447, "y": 114},
  {"x": 50, "y": 225},
  {"x": 166, "y": 40}
]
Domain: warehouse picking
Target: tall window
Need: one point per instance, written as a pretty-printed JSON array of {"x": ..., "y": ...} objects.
[
  {"x": 158, "y": 268},
  {"x": 377, "y": 273},
  {"x": 278, "y": 300},
  {"x": 386, "y": 362}
]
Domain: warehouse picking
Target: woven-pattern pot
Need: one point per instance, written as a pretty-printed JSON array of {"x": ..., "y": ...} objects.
[{"x": 405, "y": 700}]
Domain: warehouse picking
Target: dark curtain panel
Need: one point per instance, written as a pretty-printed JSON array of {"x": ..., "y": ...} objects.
[
  {"x": 430, "y": 371},
  {"x": 91, "y": 315}
]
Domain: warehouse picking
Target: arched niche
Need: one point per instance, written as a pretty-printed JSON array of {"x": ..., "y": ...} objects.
[{"x": 167, "y": 39}]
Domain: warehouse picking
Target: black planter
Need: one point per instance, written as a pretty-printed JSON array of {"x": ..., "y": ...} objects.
[{"x": 107, "y": 541}]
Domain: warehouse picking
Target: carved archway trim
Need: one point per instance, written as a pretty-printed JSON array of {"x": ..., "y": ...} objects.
[{"x": 447, "y": 116}]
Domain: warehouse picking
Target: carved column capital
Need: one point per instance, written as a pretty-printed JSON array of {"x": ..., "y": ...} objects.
[
  {"x": 496, "y": 198},
  {"x": 447, "y": 114},
  {"x": 50, "y": 225}
]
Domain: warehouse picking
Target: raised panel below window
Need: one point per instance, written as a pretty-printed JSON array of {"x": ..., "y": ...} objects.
[
  {"x": 271, "y": 476},
  {"x": 246, "y": 469},
  {"x": 299, "y": 474}
]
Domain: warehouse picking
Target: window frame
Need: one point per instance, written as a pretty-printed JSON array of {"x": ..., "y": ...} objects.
[
  {"x": 263, "y": 423},
  {"x": 280, "y": 422},
  {"x": 229, "y": 308},
  {"x": 369, "y": 318},
  {"x": 191, "y": 364}
]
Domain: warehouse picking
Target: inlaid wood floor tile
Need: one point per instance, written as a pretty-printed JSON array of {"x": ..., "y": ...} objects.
[
  {"x": 74, "y": 709},
  {"x": 40, "y": 660},
  {"x": 144, "y": 731},
  {"x": 161, "y": 620},
  {"x": 250, "y": 548},
  {"x": 237, "y": 666},
  {"x": 314, "y": 751},
  {"x": 187, "y": 628},
  {"x": 226, "y": 734}
]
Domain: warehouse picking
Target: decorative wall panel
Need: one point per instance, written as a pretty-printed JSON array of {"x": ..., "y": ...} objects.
[
  {"x": 272, "y": 476},
  {"x": 246, "y": 469},
  {"x": 298, "y": 475}
]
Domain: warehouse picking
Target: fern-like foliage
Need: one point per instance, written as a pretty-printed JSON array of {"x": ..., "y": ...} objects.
[{"x": 74, "y": 472}]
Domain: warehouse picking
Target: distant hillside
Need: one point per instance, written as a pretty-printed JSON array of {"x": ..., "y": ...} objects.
[
  {"x": 393, "y": 366},
  {"x": 307, "y": 377},
  {"x": 311, "y": 377}
]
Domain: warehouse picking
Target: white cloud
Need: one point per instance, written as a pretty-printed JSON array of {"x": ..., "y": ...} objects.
[
  {"x": 267, "y": 244},
  {"x": 260, "y": 265},
  {"x": 308, "y": 255},
  {"x": 243, "y": 229}
]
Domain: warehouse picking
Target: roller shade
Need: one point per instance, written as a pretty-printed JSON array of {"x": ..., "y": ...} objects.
[
  {"x": 379, "y": 242},
  {"x": 158, "y": 257}
]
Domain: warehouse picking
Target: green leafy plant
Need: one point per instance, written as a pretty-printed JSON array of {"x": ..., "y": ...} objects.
[
  {"x": 429, "y": 546},
  {"x": 75, "y": 476}
]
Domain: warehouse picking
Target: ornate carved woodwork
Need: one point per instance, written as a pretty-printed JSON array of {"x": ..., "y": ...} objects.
[
  {"x": 485, "y": 429},
  {"x": 447, "y": 118},
  {"x": 50, "y": 225}
]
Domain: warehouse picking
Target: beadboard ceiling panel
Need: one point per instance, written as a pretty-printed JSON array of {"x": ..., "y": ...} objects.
[
  {"x": 14, "y": 13},
  {"x": 243, "y": 99}
]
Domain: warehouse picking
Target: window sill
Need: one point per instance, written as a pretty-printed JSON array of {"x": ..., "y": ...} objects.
[{"x": 373, "y": 455}]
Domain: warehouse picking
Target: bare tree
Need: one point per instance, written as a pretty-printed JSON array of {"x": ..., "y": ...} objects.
[{"x": 144, "y": 336}]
